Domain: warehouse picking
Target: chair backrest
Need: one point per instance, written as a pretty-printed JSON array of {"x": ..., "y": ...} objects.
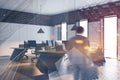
[
  {"x": 59, "y": 48},
  {"x": 49, "y": 60},
  {"x": 32, "y": 43},
  {"x": 17, "y": 54},
  {"x": 21, "y": 45}
]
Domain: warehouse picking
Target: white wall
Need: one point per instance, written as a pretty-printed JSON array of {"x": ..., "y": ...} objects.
[{"x": 11, "y": 35}]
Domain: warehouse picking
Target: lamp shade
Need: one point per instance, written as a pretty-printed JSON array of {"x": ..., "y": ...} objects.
[
  {"x": 40, "y": 31},
  {"x": 74, "y": 27}
]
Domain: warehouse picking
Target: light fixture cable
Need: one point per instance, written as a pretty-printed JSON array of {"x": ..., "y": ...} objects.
[{"x": 40, "y": 7}]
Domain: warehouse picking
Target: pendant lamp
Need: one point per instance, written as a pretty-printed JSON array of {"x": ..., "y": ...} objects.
[
  {"x": 40, "y": 7},
  {"x": 40, "y": 31}
]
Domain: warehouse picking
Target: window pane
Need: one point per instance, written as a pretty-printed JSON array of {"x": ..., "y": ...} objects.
[
  {"x": 58, "y": 33},
  {"x": 64, "y": 31},
  {"x": 84, "y": 23},
  {"x": 110, "y": 37}
]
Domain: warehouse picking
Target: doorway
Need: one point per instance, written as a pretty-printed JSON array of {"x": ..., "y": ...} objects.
[{"x": 110, "y": 37}]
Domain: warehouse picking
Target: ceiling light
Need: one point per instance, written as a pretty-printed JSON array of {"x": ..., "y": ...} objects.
[{"x": 73, "y": 28}]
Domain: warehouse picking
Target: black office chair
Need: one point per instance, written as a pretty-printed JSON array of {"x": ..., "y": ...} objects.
[
  {"x": 37, "y": 48},
  {"x": 46, "y": 62},
  {"x": 18, "y": 54}
]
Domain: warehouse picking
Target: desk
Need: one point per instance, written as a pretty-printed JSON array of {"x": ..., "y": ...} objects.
[
  {"x": 47, "y": 59},
  {"x": 53, "y": 51}
]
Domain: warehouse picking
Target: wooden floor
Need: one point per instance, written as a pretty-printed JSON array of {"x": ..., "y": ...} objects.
[{"x": 26, "y": 70}]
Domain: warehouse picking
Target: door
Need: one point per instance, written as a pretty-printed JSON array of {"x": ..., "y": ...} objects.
[{"x": 110, "y": 37}]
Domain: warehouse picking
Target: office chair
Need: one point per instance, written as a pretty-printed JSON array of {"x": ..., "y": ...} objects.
[{"x": 18, "y": 54}]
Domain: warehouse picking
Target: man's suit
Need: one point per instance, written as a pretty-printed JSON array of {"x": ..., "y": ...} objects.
[
  {"x": 80, "y": 42},
  {"x": 79, "y": 47}
]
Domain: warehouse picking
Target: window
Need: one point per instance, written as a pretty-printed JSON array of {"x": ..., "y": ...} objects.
[
  {"x": 59, "y": 33},
  {"x": 84, "y": 24},
  {"x": 64, "y": 31},
  {"x": 110, "y": 37}
]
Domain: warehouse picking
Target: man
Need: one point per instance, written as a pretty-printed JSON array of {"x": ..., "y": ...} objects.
[
  {"x": 78, "y": 54},
  {"x": 80, "y": 42}
]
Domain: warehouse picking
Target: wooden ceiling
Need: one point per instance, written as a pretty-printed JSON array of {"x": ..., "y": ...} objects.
[{"x": 94, "y": 13}]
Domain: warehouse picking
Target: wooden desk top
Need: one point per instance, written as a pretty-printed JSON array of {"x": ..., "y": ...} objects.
[{"x": 51, "y": 51}]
